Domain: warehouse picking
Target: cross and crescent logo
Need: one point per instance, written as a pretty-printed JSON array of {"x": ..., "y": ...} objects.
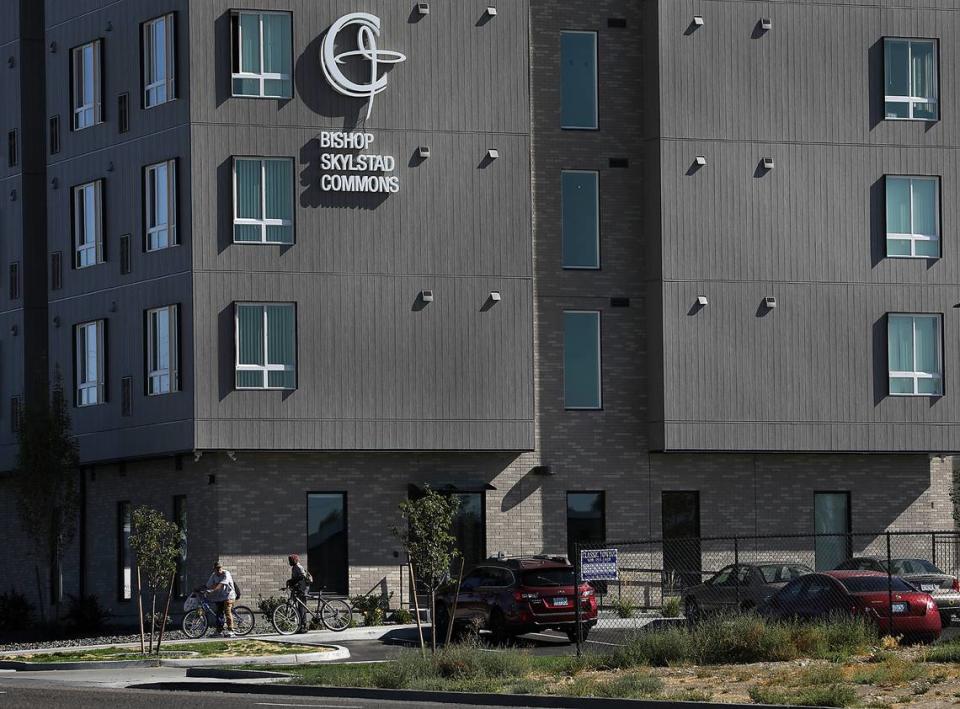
[{"x": 367, "y": 33}]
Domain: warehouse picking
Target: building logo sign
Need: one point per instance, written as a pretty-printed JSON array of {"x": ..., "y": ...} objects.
[{"x": 368, "y": 31}]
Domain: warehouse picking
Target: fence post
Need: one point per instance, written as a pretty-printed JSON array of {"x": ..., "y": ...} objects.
[
  {"x": 889, "y": 589},
  {"x": 933, "y": 548},
  {"x": 736, "y": 567},
  {"x": 576, "y": 596}
]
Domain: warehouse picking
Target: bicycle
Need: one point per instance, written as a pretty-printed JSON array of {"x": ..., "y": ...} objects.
[
  {"x": 334, "y": 614},
  {"x": 197, "y": 621}
]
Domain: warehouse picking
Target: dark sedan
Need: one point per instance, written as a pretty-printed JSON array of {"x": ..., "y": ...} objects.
[
  {"x": 740, "y": 587},
  {"x": 944, "y": 587}
]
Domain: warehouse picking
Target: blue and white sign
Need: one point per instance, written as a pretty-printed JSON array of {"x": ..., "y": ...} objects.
[{"x": 598, "y": 564}]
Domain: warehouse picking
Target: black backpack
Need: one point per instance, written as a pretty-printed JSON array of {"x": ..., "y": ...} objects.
[{"x": 236, "y": 590}]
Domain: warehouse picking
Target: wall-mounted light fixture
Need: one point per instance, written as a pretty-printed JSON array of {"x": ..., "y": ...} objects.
[
  {"x": 56, "y": 321},
  {"x": 493, "y": 154},
  {"x": 769, "y": 164},
  {"x": 423, "y": 8},
  {"x": 426, "y": 296},
  {"x": 702, "y": 301},
  {"x": 770, "y": 302},
  {"x": 13, "y": 330},
  {"x": 54, "y": 183},
  {"x": 53, "y": 47},
  {"x": 110, "y": 166},
  {"x": 495, "y": 296},
  {"x": 701, "y": 160},
  {"x": 698, "y": 20},
  {"x": 766, "y": 24},
  {"x": 12, "y": 62},
  {"x": 423, "y": 152},
  {"x": 492, "y": 11}
]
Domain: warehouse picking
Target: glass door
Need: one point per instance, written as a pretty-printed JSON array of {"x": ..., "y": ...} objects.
[{"x": 831, "y": 523}]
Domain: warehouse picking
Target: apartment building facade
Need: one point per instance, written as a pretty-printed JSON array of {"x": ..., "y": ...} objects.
[{"x": 602, "y": 270}]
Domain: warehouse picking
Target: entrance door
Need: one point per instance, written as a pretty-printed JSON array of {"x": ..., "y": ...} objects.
[
  {"x": 681, "y": 538},
  {"x": 469, "y": 529},
  {"x": 831, "y": 523}
]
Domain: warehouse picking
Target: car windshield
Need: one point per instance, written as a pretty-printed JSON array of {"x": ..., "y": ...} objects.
[
  {"x": 550, "y": 577},
  {"x": 781, "y": 573},
  {"x": 913, "y": 566},
  {"x": 872, "y": 584}
]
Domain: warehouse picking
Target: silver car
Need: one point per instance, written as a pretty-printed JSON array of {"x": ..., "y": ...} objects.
[
  {"x": 740, "y": 587},
  {"x": 944, "y": 587}
]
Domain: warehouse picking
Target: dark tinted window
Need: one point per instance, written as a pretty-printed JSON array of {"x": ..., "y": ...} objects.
[
  {"x": 550, "y": 577},
  {"x": 779, "y": 573},
  {"x": 913, "y": 566},
  {"x": 792, "y": 590},
  {"x": 871, "y": 584},
  {"x": 327, "y": 541}
]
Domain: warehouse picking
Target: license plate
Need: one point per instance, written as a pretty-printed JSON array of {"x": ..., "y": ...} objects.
[
  {"x": 899, "y": 607},
  {"x": 561, "y": 601},
  {"x": 928, "y": 587}
]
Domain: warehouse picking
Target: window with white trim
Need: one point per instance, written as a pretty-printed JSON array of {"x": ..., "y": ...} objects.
[
  {"x": 263, "y": 200},
  {"x": 581, "y": 360},
  {"x": 89, "y": 363},
  {"x": 914, "y": 354},
  {"x": 159, "y": 57},
  {"x": 262, "y": 54},
  {"x": 913, "y": 216},
  {"x": 86, "y": 89},
  {"x": 266, "y": 345},
  {"x": 910, "y": 76},
  {"x": 160, "y": 202},
  {"x": 163, "y": 374},
  {"x": 88, "y": 224}
]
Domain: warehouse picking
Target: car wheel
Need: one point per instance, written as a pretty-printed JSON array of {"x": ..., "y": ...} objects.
[
  {"x": 572, "y": 633},
  {"x": 691, "y": 610},
  {"x": 498, "y": 628}
]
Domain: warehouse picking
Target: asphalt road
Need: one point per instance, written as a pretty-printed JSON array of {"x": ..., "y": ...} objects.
[{"x": 19, "y": 697}]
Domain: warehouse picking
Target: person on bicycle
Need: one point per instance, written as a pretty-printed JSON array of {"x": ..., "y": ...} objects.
[
  {"x": 221, "y": 589},
  {"x": 299, "y": 582}
]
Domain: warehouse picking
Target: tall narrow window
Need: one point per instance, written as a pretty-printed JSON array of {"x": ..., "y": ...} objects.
[
  {"x": 580, "y": 195},
  {"x": 586, "y": 522},
  {"x": 159, "y": 56},
  {"x": 913, "y": 217},
  {"x": 831, "y": 524},
  {"x": 911, "y": 79},
  {"x": 581, "y": 360},
  {"x": 90, "y": 363},
  {"x": 88, "y": 224},
  {"x": 14, "y": 281},
  {"x": 123, "y": 112},
  {"x": 126, "y": 396},
  {"x": 54, "y": 135},
  {"x": 914, "y": 355},
  {"x": 56, "y": 270},
  {"x": 262, "y": 54},
  {"x": 125, "y": 254},
  {"x": 162, "y": 350},
  {"x": 124, "y": 552},
  {"x": 266, "y": 346},
  {"x": 327, "y": 541},
  {"x": 12, "y": 148},
  {"x": 680, "y": 528},
  {"x": 14, "y": 414},
  {"x": 160, "y": 205},
  {"x": 180, "y": 587},
  {"x": 86, "y": 88},
  {"x": 263, "y": 200},
  {"x": 578, "y": 80}
]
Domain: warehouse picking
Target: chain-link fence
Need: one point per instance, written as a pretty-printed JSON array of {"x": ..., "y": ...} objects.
[{"x": 904, "y": 582}]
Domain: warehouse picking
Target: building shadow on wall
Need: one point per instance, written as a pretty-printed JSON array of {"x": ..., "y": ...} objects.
[
  {"x": 530, "y": 483},
  {"x": 226, "y": 373},
  {"x": 877, "y": 226},
  {"x": 311, "y": 194},
  {"x": 875, "y": 81}
]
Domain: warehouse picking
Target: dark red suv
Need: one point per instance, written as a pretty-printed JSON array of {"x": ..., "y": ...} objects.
[{"x": 511, "y": 597}]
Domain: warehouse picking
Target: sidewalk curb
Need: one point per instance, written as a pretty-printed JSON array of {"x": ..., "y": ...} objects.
[
  {"x": 424, "y": 697},
  {"x": 214, "y": 673},
  {"x": 336, "y": 652}
]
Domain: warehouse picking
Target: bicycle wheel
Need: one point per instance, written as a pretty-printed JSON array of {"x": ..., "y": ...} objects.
[
  {"x": 336, "y": 615},
  {"x": 286, "y": 619},
  {"x": 195, "y": 623},
  {"x": 243, "y": 620}
]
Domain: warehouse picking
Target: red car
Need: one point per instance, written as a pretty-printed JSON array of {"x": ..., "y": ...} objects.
[
  {"x": 914, "y": 613},
  {"x": 510, "y": 597}
]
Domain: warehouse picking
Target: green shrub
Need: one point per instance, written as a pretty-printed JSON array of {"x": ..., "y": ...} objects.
[
  {"x": 86, "y": 614},
  {"x": 633, "y": 685},
  {"x": 268, "y": 605},
  {"x": 832, "y": 695},
  {"x": 402, "y": 616},
  {"x": 659, "y": 648},
  {"x": 672, "y": 607},
  {"x": 372, "y": 608},
  {"x": 623, "y": 607},
  {"x": 16, "y": 612}
]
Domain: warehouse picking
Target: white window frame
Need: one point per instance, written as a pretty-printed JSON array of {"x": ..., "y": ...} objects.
[
  {"x": 599, "y": 406},
  {"x": 86, "y": 113},
  {"x": 259, "y": 76},
  {"x": 156, "y": 375},
  {"x": 160, "y": 235},
  {"x": 596, "y": 80},
  {"x": 914, "y": 236},
  {"x": 89, "y": 392},
  {"x": 911, "y": 100},
  {"x": 84, "y": 243},
  {"x": 916, "y": 376},
  {"x": 263, "y": 222},
  {"x": 596, "y": 179},
  {"x": 266, "y": 367},
  {"x": 151, "y": 83}
]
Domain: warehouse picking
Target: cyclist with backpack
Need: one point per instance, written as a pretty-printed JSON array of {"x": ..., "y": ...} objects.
[
  {"x": 222, "y": 590},
  {"x": 299, "y": 581}
]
